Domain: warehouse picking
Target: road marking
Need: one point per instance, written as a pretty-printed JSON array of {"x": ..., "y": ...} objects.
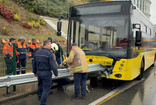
[{"x": 115, "y": 92}]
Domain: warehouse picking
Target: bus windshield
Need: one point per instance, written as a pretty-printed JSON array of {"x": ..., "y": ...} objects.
[{"x": 102, "y": 35}]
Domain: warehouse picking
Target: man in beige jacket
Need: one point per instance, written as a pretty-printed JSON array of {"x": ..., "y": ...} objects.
[{"x": 79, "y": 68}]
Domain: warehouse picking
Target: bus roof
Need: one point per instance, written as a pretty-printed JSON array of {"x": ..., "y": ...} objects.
[{"x": 102, "y": 3}]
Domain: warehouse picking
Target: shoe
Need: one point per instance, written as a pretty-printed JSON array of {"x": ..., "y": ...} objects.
[
  {"x": 60, "y": 88},
  {"x": 75, "y": 97},
  {"x": 83, "y": 97},
  {"x": 50, "y": 93},
  {"x": 39, "y": 98}
]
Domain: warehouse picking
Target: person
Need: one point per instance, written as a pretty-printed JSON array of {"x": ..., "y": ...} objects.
[
  {"x": 79, "y": 68},
  {"x": 50, "y": 39},
  {"x": 32, "y": 49},
  {"x": 22, "y": 51},
  {"x": 8, "y": 53},
  {"x": 42, "y": 66},
  {"x": 62, "y": 81},
  {"x": 58, "y": 53}
]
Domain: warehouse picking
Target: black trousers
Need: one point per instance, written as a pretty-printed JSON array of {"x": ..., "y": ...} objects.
[
  {"x": 23, "y": 69},
  {"x": 9, "y": 64}
]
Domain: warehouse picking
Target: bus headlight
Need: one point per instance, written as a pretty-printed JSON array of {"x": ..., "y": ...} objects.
[{"x": 120, "y": 68}]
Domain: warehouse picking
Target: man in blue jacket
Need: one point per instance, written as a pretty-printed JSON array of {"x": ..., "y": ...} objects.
[{"x": 43, "y": 64}]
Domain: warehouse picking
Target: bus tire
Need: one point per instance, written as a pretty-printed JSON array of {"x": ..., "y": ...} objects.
[
  {"x": 93, "y": 82},
  {"x": 142, "y": 71}
]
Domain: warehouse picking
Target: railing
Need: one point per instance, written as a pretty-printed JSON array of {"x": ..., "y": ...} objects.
[{"x": 8, "y": 81}]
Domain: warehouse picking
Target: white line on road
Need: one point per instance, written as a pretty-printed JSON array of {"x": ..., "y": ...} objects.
[{"x": 116, "y": 92}]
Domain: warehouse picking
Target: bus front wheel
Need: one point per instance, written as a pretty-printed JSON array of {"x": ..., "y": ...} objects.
[{"x": 141, "y": 71}]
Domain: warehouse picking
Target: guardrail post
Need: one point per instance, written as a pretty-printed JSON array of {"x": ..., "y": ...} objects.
[
  {"x": 14, "y": 63},
  {"x": 7, "y": 90}
]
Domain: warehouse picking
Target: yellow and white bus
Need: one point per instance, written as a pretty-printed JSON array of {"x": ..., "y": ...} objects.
[{"x": 116, "y": 34}]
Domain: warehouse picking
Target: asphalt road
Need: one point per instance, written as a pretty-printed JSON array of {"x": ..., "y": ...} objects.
[{"x": 108, "y": 92}]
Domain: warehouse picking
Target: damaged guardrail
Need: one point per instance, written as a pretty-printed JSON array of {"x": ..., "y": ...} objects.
[{"x": 8, "y": 81}]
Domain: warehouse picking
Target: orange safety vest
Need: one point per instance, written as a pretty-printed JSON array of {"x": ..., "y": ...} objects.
[
  {"x": 20, "y": 48},
  {"x": 32, "y": 49},
  {"x": 8, "y": 49}
]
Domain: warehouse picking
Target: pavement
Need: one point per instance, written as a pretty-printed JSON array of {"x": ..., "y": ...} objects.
[
  {"x": 108, "y": 92},
  {"x": 21, "y": 91}
]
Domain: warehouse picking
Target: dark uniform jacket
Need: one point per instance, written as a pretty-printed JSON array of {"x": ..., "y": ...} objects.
[
  {"x": 32, "y": 49},
  {"x": 44, "y": 61}
]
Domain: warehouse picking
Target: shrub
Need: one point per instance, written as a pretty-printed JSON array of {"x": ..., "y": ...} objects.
[
  {"x": 4, "y": 30},
  {"x": 17, "y": 17},
  {"x": 26, "y": 25},
  {"x": 53, "y": 8},
  {"x": 32, "y": 19},
  {"x": 36, "y": 25},
  {"x": 5, "y": 12},
  {"x": 42, "y": 21},
  {"x": 15, "y": 11}
]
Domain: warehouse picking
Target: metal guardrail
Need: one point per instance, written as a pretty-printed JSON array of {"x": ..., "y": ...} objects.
[{"x": 8, "y": 81}]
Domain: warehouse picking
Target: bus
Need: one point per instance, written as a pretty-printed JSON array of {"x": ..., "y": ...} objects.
[{"x": 115, "y": 34}]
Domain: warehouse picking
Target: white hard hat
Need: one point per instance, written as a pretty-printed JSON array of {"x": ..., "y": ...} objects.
[{"x": 54, "y": 46}]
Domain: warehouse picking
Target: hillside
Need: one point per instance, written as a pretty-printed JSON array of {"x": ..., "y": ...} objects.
[
  {"x": 15, "y": 28},
  {"x": 21, "y": 9}
]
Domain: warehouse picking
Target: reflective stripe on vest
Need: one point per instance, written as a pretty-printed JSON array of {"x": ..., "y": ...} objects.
[
  {"x": 7, "y": 49},
  {"x": 21, "y": 49},
  {"x": 33, "y": 47},
  {"x": 78, "y": 69}
]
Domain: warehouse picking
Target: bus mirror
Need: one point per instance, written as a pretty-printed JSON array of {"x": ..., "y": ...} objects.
[
  {"x": 138, "y": 38},
  {"x": 59, "y": 25}
]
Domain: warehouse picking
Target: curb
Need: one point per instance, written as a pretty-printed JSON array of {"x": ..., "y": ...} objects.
[
  {"x": 14, "y": 96},
  {"x": 17, "y": 96}
]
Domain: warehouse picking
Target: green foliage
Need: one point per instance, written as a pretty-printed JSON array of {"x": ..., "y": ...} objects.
[
  {"x": 53, "y": 8},
  {"x": 32, "y": 19},
  {"x": 42, "y": 21},
  {"x": 4, "y": 30},
  {"x": 15, "y": 11},
  {"x": 17, "y": 17},
  {"x": 36, "y": 25}
]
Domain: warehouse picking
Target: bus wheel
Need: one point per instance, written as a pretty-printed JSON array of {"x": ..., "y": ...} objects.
[
  {"x": 93, "y": 82},
  {"x": 142, "y": 71}
]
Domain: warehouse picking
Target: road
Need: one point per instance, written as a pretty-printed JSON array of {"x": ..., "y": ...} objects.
[{"x": 108, "y": 92}]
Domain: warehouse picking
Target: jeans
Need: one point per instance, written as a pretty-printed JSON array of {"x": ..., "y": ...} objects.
[
  {"x": 58, "y": 61},
  {"x": 80, "y": 80},
  {"x": 44, "y": 85}
]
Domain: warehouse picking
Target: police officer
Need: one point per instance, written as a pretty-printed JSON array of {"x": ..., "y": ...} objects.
[
  {"x": 79, "y": 68},
  {"x": 43, "y": 64},
  {"x": 21, "y": 49}
]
